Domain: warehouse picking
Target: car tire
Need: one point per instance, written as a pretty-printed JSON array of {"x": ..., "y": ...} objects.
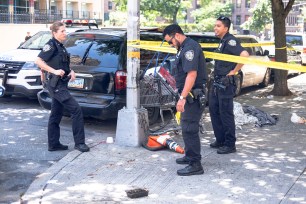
[
  {"x": 153, "y": 114},
  {"x": 266, "y": 79},
  {"x": 238, "y": 82}
]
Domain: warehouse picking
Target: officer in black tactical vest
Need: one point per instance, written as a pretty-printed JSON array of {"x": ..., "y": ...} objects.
[
  {"x": 54, "y": 59},
  {"x": 190, "y": 75},
  {"x": 222, "y": 91}
]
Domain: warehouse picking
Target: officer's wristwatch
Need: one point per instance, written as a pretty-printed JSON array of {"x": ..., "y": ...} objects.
[{"x": 182, "y": 97}]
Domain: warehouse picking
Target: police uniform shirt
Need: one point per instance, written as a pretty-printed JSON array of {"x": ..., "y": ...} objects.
[
  {"x": 190, "y": 57},
  {"x": 229, "y": 44},
  {"x": 55, "y": 55}
]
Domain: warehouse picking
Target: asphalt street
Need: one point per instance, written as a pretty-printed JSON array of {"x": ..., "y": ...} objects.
[{"x": 23, "y": 143}]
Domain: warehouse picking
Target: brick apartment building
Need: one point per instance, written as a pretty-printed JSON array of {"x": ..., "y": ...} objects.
[
  {"x": 241, "y": 13},
  {"x": 39, "y": 11}
]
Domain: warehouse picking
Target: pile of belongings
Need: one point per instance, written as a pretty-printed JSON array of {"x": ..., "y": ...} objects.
[{"x": 250, "y": 114}]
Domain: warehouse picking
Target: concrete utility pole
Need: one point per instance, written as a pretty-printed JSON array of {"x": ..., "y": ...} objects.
[{"x": 132, "y": 122}]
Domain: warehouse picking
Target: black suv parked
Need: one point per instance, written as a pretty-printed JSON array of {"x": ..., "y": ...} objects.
[{"x": 99, "y": 59}]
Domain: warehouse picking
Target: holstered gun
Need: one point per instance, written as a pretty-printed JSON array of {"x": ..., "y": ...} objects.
[{"x": 53, "y": 80}]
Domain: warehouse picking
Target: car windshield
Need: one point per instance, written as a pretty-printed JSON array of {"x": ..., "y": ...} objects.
[
  {"x": 37, "y": 41},
  {"x": 94, "y": 52},
  {"x": 294, "y": 40}
]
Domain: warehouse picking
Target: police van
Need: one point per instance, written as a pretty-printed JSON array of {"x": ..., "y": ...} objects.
[{"x": 19, "y": 75}]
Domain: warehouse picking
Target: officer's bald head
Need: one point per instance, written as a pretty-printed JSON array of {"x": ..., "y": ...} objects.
[{"x": 172, "y": 29}]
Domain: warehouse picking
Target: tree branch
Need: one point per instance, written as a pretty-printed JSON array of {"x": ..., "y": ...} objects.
[{"x": 288, "y": 7}]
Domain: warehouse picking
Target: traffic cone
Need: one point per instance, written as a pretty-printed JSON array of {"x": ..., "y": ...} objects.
[
  {"x": 152, "y": 144},
  {"x": 174, "y": 146},
  {"x": 167, "y": 141}
]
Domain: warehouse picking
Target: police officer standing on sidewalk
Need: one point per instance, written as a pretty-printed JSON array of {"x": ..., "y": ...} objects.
[
  {"x": 222, "y": 91},
  {"x": 55, "y": 60},
  {"x": 190, "y": 75}
]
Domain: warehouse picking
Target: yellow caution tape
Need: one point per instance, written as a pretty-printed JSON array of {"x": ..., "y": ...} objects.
[
  {"x": 236, "y": 59},
  {"x": 203, "y": 45},
  {"x": 281, "y": 48},
  {"x": 253, "y": 61}
]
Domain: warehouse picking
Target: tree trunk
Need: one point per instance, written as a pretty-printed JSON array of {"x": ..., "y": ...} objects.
[
  {"x": 279, "y": 14},
  {"x": 175, "y": 15}
]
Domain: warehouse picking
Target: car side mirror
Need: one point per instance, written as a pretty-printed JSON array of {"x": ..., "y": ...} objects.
[
  {"x": 298, "y": 52},
  {"x": 266, "y": 53}
]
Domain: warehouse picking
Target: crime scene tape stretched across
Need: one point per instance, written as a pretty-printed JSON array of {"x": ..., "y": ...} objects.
[
  {"x": 204, "y": 45},
  {"x": 225, "y": 57}
]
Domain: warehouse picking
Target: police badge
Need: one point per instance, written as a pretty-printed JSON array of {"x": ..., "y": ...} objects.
[
  {"x": 232, "y": 42},
  {"x": 189, "y": 55},
  {"x": 46, "y": 48}
]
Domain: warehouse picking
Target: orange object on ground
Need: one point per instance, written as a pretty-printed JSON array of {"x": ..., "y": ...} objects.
[
  {"x": 166, "y": 141},
  {"x": 152, "y": 144}
]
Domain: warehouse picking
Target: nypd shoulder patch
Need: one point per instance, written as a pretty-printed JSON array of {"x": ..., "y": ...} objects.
[
  {"x": 46, "y": 48},
  {"x": 232, "y": 42},
  {"x": 189, "y": 55}
]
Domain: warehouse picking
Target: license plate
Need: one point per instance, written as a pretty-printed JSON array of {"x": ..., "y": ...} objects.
[{"x": 77, "y": 83}]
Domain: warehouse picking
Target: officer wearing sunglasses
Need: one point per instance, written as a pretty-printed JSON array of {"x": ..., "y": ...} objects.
[
  {"x": 190, "y": 74},
  {"x": 222, "y": 92}
]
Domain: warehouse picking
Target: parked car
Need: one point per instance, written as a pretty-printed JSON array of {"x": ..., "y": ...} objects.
[
  {"x": 298, "y": 42},
  {"x": 293, "y": 57},
  {"x": 249, "y": 75},
  {"x": 18, "y": 72},
  {"x": 99, "y": 59}
]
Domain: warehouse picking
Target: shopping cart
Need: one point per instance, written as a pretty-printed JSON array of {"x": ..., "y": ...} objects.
[{"x": 158, "y": 90}]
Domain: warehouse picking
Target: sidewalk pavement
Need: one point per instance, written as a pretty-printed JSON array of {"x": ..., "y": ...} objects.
[{"x": 269, "y": 166}]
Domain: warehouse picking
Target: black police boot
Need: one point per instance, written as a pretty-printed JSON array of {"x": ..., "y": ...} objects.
[
  {"x": 57, "y": 147},
  {"x": 216, "y": 144},
  {"x": 182, "y": 160},
  {"x": 226, "y": 150},
  {"x": 82, "y": 147},
  {"x": 194, "y": 168}
]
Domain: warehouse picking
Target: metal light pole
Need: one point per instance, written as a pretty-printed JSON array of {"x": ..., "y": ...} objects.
[{"x": 132, "y": 122}]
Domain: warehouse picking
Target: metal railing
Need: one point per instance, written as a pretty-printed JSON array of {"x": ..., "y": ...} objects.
[{"x": 43, "y": 16}]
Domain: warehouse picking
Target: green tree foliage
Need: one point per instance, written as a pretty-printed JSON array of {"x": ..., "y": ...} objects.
[
  {"x": 168, "y": 10},
  {"x": 261, "y": 16},
  {"x": 205, "y": 17},
  {"x": 121, "y": 5},
  {"x": 150, "y": 9},
  {"x": 118, "y": 18}
]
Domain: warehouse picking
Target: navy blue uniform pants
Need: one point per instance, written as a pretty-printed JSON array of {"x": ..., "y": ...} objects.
[
  {"x": 61, "y": 99},
  {"x": 221, "y": 107},
  {"x": 190, "y": 120}
]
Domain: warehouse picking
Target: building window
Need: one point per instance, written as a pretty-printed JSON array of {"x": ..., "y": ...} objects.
[
  {"x": 247, "y": 3},
  {"x": 238, "y": 20},
  {"x": 238, "y": 3},
  {"x": 110, "y": 5},
  {"x": 246, "y": 17}
]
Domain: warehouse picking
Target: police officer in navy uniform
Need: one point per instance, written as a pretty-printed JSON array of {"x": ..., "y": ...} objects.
[
  {"x": 190, "y": 75},
  {"x": 54, "y": 59},
  {"x": 222, "y": 91}
]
